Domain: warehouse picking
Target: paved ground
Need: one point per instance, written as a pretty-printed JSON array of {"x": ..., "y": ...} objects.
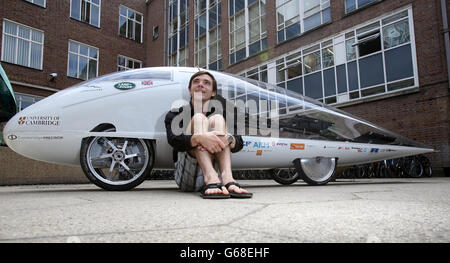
[{"x": 363, "y": 210}]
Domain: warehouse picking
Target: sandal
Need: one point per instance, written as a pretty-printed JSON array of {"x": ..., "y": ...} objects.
[
  {"x": 213, "y": 196},
  {"x": 237, "y": 195}
]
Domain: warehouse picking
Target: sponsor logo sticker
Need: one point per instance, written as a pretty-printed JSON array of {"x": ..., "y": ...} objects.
[
  {"x": 124, "y": 85},
  {"x": 147, "y": 82},
  {"x": 12, "y": 137},
  {"x": 39, "y": 121},
  {"x": 297, "y": 146}
]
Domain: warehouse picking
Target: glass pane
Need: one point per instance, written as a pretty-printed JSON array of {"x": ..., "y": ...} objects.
[
  {"x": 75, "y": 9},
  {"x": 313, "y": 85},
  {"x": 213, "y": 17},
  {"x": 95, "y": 15},
  {"x": 123, "y": 26},
  {"x": 327, "y": 57},
  {"x": 396, "y": 34},
  {"x": 22, "y": 52},
  {"x": 36, "y": 57},
  {"x": 10, "y": 28},
  {"x": 24, "y": 32},
  {"x": 295, "y": 85},
  {"x": 93, "y": 53},
  {"x": 350, "y": 5},
  {"x": 341, "y": 78},
  {"x": 362, "y": 3},
  {"x": 84, "y": 50},
  {"x": 121, "y": 61},
  {"x": 123, "y": 11},
  {"x": 253, "y": 12},
  {"x": 92, "y": 69},
  {"x": 254, "y": 48},
  {"x": 329, "y": 82},
  {"x": 73, "y": 65},
  {"x": 350, "y": 49},
  {"x": 399, "y": 63},
  {"x": 371, "y": 70},
  {"x": 254, "y": 31},
  {"x": 352, "y": 76},
  {"x": 73, "y": 47},
  {"x": 312, "y": 21},
  {"x": 37, "y": 36},
  {"x": 138, "y": 32},
  {"x": 9, "y": 49},
  {"x": 130, "y": 29},
  {"x": 82, "y": 68},
  {"x": 292, "y": 31},
  {"x": 312, "y": 62}
]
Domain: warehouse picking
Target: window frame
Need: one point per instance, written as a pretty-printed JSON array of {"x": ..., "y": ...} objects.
[
  {"x": 339, "y": 44},
  {"x": 78, "y": 54},
  {"x": 99, "y": 5},
  {"x": 33, "y": 2},
  {"x": 262, "y": 40},
  {"x": 208, "y": 34},
  {"x": 127, "y": 59},
  {"x": 134, "y": 24},
  {"x": 17, "y": 37},
  {"x": 174, "y": 58},
  {"x": 323, "y": 5}
]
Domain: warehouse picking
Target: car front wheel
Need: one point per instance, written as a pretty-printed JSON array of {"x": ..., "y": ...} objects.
[{"x": 116, "y": 164}]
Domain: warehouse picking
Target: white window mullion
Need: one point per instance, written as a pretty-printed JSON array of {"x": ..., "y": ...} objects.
[
  {"x": 247, "y": 29},
  {"x": 302, "y": 16},
  {"x": 207, "y": 34}
]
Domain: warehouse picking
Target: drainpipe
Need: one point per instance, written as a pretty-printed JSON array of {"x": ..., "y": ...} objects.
[
  {"x": 165, "y": 32},
  {"x": 446, "y": 37}
]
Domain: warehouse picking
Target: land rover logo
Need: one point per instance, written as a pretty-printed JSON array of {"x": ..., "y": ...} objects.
[{"x": 124, "y": 85}]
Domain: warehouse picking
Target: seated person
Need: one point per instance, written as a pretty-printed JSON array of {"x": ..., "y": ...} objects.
[{"x": 204, "y": 142}]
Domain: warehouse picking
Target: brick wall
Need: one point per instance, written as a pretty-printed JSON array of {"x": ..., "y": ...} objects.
[{"x": 58, "y": 28}]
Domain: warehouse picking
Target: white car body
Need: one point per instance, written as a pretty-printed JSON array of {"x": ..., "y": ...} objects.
[{"x": 52, "y": 129}]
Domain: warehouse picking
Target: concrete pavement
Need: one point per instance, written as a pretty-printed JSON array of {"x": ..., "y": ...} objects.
[{"x": 359, "y": 210}]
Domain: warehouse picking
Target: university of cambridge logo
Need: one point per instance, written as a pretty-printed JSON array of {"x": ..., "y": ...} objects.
[{"x": 22, "y": 120}]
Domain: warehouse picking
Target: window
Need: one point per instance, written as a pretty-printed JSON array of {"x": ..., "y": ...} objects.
[
  {"x": 369, "y": 60},
  {"x": 178, "y": 33},
  {"x": 22, "y": 45},
  {"x": 25, "y": 100},
  {"x": 248, "y": 34},
  {"x": 288, "y": 19},
  {"x": 207, "y": 32},
  {"x": 87, "y": 11},
  {"x": 297, "y": 16},
  {"x": 352, "y": 5},
  {"x": 37, "y": 2},
  {"x": 83, "y": 61},
  {"x": 125, "y": 63},
  {"x": 130, "y": 24}
]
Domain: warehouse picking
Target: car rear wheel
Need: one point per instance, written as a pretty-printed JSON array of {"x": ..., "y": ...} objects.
[
  {"x": 316, "y": 171},
  {"x": 285, "y": 176},
  {"x": 116, "y": 164}
]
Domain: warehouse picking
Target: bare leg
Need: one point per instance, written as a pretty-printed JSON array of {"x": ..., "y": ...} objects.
[
  {"x": 217, "y": 123},
  {"x": 199, "y": 124}
]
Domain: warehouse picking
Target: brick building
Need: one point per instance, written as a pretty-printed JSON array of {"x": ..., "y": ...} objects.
[{"x": 382, "y": 60}]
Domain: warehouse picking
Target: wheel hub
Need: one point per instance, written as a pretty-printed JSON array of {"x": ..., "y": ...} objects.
[{"x": 118, "y": 156}]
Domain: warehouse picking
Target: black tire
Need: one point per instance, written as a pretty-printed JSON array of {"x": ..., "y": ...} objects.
[
  {"x": 127, "y": 179},
  {"x": 306, "y": 168},
  {"x": 412, "y": 167},
  {"x": 426, "y": 164},
  {"x": 285, "y": 176}
]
